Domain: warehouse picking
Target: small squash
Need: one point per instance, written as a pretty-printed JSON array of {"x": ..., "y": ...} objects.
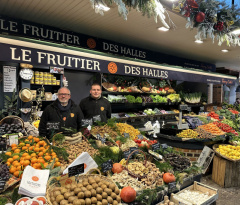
[
  {"x": 128, "y": 194},
  {"x": 117, "y": 168},
  {"x": 168, "y": 178}
]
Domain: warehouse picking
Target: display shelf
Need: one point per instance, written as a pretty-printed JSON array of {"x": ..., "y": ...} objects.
[{"x": 131, "y": 93}]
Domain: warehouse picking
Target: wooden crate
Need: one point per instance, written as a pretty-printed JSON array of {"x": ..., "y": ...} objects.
[{"x": 225, "y": 173}]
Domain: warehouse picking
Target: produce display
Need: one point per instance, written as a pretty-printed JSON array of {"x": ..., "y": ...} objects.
[
  {"x": 12, "y": 128},
  {"x": 174, "y": 98},
  {"x": 4, "y": 172},
  {"x": 144, "y": 142},
  {"x": 225, "y": 128},
  {"x": 102, "y": 130},
  {"x": 225, "y": 113},
  {"x": 158, "y": 99},
  {"x": 178, "y": 162},
  {"x": 211, "y": 128},
  {"x": 188, "y": 134},
  {"x": 213, "y": 115},
  {"x": 229, "y": 151},
  {"x": 126, "y": 128},
  {"x": 192, "y": 98}
]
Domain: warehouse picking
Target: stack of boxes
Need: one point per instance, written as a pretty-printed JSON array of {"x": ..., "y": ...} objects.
[{"x": 44, "y": 78}]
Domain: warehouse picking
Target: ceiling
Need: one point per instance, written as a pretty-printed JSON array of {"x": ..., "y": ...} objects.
[{"x": 138, "y": 30}]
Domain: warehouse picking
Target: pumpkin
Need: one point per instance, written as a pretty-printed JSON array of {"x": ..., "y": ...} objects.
[
  {"x": 128, "y": 194},
  {"x": 117, "y": 168},
  {"x": 168, "y": 178}
]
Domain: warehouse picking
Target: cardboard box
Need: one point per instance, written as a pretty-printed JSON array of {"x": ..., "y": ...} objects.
[{"x": 201, "y": 188}]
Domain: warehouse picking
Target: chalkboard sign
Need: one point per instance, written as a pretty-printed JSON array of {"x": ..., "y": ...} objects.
[
  {"x": 220, "y": 117},
  {"x": 133, "y": 149},
  {"x": 86, "y": 122},
  {"x": 201, "y": 109},
  {"x": 183, "y": 107},
  {"x": 126, "y": 154},
  {"x": 102, "y": 139},
  {"x": 233, "y": 116},
  {"x": 75, "y": 170},
  {"x": 106, "y": 166},
  {"x": 155, "y": 146},
  {"x": 96, "y": 118},
  {"x": 194, "y": 120},
  {"x": 189, "y": 109},
  {"x": 126, "y": 135},
  {"x": 172, "y": 187},
  {"x": 140, "y": 137},
  {"x": 208, "y": 118},
  {"x": 53, "y": 125},
  {"x": 164, "y": 146},
  {"x": 2, "y": 184},
  {"x": 215, "y": 108}
]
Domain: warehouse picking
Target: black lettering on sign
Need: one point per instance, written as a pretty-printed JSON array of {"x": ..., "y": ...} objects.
[
  {"x": 220, "y": 117},
  {"x": 75, "y": 170},
  {"x": 53, "y": 125},
  {"x": 189, "y": 109},
  {"x": 126, "y": 135},
  {"x": 183, "y": 107},
  {"x": 133, "y": 149},
  {"x": 86, "y": 122},
  {"x": 156, "y": 146},
  {"x": 106, "y": 166},
  {"x": 195, "y": 120},
  {"x": 126, "y": 154},
  {"x": 2, "y": 184},
  {"x": 172, "y": 187}
]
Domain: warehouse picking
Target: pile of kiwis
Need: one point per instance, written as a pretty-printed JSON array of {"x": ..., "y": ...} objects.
[{"x": 89, "y": 190}]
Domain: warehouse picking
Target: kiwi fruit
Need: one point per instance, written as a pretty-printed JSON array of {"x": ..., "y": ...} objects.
[{"x": 59, "y": 198}]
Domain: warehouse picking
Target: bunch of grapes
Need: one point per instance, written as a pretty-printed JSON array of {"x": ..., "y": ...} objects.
[{"x": 4, "y": 171}]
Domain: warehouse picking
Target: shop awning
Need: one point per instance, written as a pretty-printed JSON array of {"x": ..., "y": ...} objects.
[{"x": 35, "y": 52}]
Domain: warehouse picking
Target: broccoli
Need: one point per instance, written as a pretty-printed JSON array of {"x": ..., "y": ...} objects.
[
  {"x": 130, "y": 98},
  {"x": 138, "y": 100}
]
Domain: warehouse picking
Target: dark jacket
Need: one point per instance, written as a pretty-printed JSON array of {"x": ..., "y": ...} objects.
[
  {"x": 92, "y": 107},
  {"x": 52, "y": 113}
]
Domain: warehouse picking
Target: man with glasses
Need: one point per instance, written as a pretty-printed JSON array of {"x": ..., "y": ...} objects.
[
  {"x": 63, "y": 113},
  {"x": 95, "y": 106}
]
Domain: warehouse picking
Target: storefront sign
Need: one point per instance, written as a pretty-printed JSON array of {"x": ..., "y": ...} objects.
[
  {"x": 9, "y": 78},
  {"x": 97, "y": 63},
  {"x": 28, "y": 29}
]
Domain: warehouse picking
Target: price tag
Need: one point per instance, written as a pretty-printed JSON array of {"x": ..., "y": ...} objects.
[
  {"x": 106, "y": 166},
  {"x": 156, "y": 146},
  {"x": 189, "y": 109},
  {"x": 86, "y": 122},
  {"x": 220, "y": 117},
  {"x": 140, "y": 137},
  {"x": 208, "y": 118},
  {"x": 126, "y": 135},
  {"x": 2, "y": 130},
  {"x": 75, "y": 170},
  {"x": 172, "y": 187},
  {"x": 223, "y": 107},
  {"x": 164, "y": 146},
  {"x": 133, "y": 149},
  {"x": 126, "y": 154},
  {"x": 53, "y": 125},
  {"x": 13, "y": 139},
  {"x": 183, "y": 107},
  {"x": 201, "y": 109},
  {"x": 195, "y": 120},
  {"x": 102, "y": 139},
  {"x": 233, "y": 116},
  {"x": 215, "y": 108},
  {"x": 96, "y": 118},
  {"x": 2, "y": 184}
]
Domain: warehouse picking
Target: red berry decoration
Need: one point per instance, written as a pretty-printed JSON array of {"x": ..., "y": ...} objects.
[
  {"x": 200, "y": 16},
  {"x": 219, "y": 26}
]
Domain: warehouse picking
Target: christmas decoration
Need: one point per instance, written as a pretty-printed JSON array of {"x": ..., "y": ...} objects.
[{"x": 212, "y": 19}]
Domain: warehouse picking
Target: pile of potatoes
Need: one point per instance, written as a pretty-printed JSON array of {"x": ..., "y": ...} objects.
[{"x": 90, "y": 190}]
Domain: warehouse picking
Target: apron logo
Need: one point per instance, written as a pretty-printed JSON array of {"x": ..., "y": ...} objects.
[
  {"x": 102, "y": 108},
  {"x": 72, "y": 114},
  {"x": 64, "y": 118}
]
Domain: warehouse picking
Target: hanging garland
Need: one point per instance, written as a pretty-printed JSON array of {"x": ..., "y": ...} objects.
[
  {"x": 146, "y": 7},
  {"x": 212, "y": 19}
]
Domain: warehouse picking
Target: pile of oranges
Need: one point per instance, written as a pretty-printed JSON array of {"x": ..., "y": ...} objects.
[{"x": 30, "y": 151}]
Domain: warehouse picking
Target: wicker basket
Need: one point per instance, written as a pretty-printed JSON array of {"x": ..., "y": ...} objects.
[
  {"x": 223, "y": 156},
  {"x": 107, "y": 86},
  {"x": 12, "y": 119},
  {"x": 78, "y": 178}
]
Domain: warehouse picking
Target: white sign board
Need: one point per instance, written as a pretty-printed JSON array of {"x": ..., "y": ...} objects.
[
  {"x": 205, "y": 158},
  {"x": 9, "y": 78}
]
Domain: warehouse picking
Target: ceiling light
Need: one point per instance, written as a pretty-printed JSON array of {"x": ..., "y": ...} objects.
[
  {"x": 198, "y": 41},
  {"x": 236, "y": 32},
  {"x": 225, "y": 50},
  {"x": 102, "y": 7},
  {"x": 163, "y": 28}
]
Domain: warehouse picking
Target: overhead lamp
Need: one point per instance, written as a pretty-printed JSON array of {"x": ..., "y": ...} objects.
[
  {"x": 163, "y": 28},
  {"x": 198, "y": 41},
  {"x": 102, "y": 7},
  {"x": 225, "y": 50},
  {"x": 226, "y": 88}
]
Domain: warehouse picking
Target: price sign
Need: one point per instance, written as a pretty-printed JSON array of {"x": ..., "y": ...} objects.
[
  {"x": 133, "y": 149},
  {"x": 126, "y": 154},
  {"x": 183, "y": 107},
  {"x": 220, "y": 117},
  {"x": 224, "y": 107},
  {"x": 164, "y": 146},
  {"x": 140, "y": 137},
  {"x": 233, "y": 116},
  {"x": 2, "y": 130},
  {"x": 106, "y": 166},
  {"x": 102, "y": 139},
  {"x": 215, "y": 108},
  {"x": 75, "y": 170},
  {"x": 86, "y": 122},
  {"x": 96, "y": 118},
  {"x": 201, "y": 109},
  {"x": 208, "y": 118},
  {"x": 155, "y": 146},
  {"x": 172, "y": 187},
  {"x": 2, "y": 184},
  {"x": 53, "y": 125},
  {"x": 126, "y": 135},
  {"x": 195, "y": 120},
  {"x": 189, "y": 109}
]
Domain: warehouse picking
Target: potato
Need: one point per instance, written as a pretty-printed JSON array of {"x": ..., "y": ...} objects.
[
  {"x": 79, "y": 185},
  {"x": 83, "y": 189},
  {"x": 59, "y": 198},
  {"x": 104, "y": 195},
  {"x": 63, "y": 190},
  {"x": 89, "y": 187},
  {"x": 82, "y": 201},
  {"x": 108, "y": 191},
  {"x": 94, "y": 200},
  {"x": 68, "y": 186},
  {"x": 88, "y": 201},
  {"x": 77, "y": 190},
  {"x": 56, "y": 193},
  {"x": 67, "y": 195},
  {"x": 97, "y": 179},
  {"x": 73, "y": 186},
  {"x": 90, "y": 178},
  {"x": 80, "y": 195},
  {"x": 95, "y": 186},
  {"x": 71, "y": 199},
  {"x": 56, "y": 189},
  {"x": 92, "y": 181},
  {"x": 55, "y": 203},
  {"x": 113, "y": 195},
  {"x": 93, "y": 192},
  {"x": 107, "y": 183},
  {"x": 87, "y": 194},
  {"x": 51, "y": 194},
  {"x": 104, "y": 186},
  {"x": 99, "y": 190},
  {"x": 112, "y": 187},
  {"x": 104, "y": 202},
  {"x": 99, "y": 197},
  {"x": 100, "y": 184},
  {"x": 85, "y": 183},
  {"x": 115, "y": 202},
  {"x": 117, "y": 191},
  {"x": 64, "y": 202},
  {"x": 109, "y": 199},
  {"x": 85, "y": 180},
  {"x": 118, "y": 199},
  {"x": 99, "y": 203},
  {"x": 52, "y": 199},
  {"x": 77, "y": 202}
]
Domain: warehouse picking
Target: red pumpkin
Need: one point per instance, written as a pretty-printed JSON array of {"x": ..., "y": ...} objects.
[
  {"x": 117, "y": 168},
  {"x": 128, "y": 194},
  {"x": 168, "y": 178}
]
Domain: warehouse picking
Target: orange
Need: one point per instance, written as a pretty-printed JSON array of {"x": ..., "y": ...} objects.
[
  {"x": 27, "y": 157},
  {"x": 34, "y": 160},
  {"x": 53, "y": 153},
  {"x": 24, "y": 148},
  {"x": 36, "y": 149},
  {"x": 40, "y": 154},
  {"x": 47, "y": 157},
  {"x": 16, "y": 173},
  {"x": 8, "y": 163},
  {"x": 26, "y": 162},
  {"x": 35, "y": 166},
  {"x": 8, "y": 153},
  {"x": 36, "y": 139},
  {"x": 17, "y": 151},
  {"x": 19, "y": 168},
  {"x": 22, "y": 162},
  {"x": 14, "y": 162},
  {"x": 41, "y": 143},
  {"x": 21, "y": 176},
  {"x": 33, "y": 155},
  {"x": 13, "y": 145},
  {"x": 31, "y": 148},
  {"x": 47, "y": 154},
  {"x": 17, "y": 164},
  {"x": 41, "y": 148},
  {"x": 24, "y": 154},
  {"x": 28, "y": 145},
  {"x": 21, "y": 144},
  {"x": 12, "y": 169},
  {"x": 57, "y": 164},
  {"x": 41, "y": 161},
  {"x": 13, "y": 148},
  {"x": 30, "y": 137},
  {"x": 10, "y": 160},
  {"x": 45, "y": 165},
  {"x": 16, "y": 157},
  {"x": 38, "y": 165}
]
